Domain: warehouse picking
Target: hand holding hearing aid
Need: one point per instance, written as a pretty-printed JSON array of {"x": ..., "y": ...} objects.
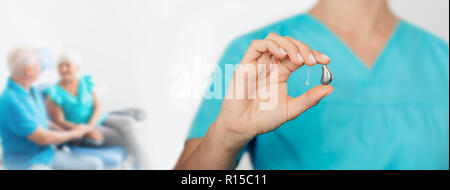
[{"x": 243, "y": 116}]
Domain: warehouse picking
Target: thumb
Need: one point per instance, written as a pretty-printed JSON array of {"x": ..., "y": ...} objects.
[{"x": 310, "y": 98}]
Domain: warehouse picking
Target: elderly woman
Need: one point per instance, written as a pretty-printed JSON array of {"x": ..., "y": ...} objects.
[{"x": 73, "y": 103}]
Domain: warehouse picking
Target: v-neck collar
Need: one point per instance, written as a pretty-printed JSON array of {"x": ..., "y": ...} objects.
[
  {"x": 70, "y": 94},
  {"x": 378, "y": 63}
]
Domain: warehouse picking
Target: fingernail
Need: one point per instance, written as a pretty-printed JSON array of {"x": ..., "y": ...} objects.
[
  {"x": 282, "y": 51},
  {"x": 312, "y": 58},
  {"x": 325, "y": 56},
  {"x": 300, "y": 57}
]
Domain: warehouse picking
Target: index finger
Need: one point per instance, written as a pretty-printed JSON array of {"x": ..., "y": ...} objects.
[{"x": 257, "y": 47}]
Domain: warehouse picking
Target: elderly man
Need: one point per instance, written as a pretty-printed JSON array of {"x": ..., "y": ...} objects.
[{"x": 24, "y": 128}]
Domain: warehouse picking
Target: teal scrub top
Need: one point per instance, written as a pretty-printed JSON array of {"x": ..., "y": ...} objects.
[
  {"x": 394, "y": 115},
  {"x": 21, "y": 113},
  {"x": 77, "y": 109}
]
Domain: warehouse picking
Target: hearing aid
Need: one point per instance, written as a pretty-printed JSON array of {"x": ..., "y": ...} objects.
[{"x": 327, "y": 76}]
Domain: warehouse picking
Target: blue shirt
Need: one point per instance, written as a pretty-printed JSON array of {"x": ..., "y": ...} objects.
[
  {"x": 394, "y": 115},
  {"x": 21, "y": 112},
  {"x": 77, "y": 109}
]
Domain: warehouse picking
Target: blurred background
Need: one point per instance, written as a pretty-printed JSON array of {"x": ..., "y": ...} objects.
[{"x": 133, "y": 47}]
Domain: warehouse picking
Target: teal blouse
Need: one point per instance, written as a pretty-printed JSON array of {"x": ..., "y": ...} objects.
[
  {"x": 394, "y": 115},
  {"x": 77, "y": 109}
]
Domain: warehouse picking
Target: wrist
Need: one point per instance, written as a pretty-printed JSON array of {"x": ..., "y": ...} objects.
[{"x": 228, "y": 140}]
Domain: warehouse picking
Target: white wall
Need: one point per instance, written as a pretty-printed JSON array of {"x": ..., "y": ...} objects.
[{"x": 130, "y": 47}]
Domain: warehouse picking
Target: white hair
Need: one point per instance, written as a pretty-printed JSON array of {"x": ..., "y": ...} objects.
[
  {"x": 70, "y": 56},
  {"x": 19, "y": 57}
]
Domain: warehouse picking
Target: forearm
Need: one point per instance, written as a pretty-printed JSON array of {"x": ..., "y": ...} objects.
[
  {"x": 95, "y": 116},
  {"x": 57, "y": 115},
  {"x": 46, "y": 137},
  {"x": 97, "y": 111},
  {"x": 218, "y": 150},
  {"x": 54, "y": 126},
  {"x": 55, "y": 137},
  {"x": 66, "y": 124}
]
